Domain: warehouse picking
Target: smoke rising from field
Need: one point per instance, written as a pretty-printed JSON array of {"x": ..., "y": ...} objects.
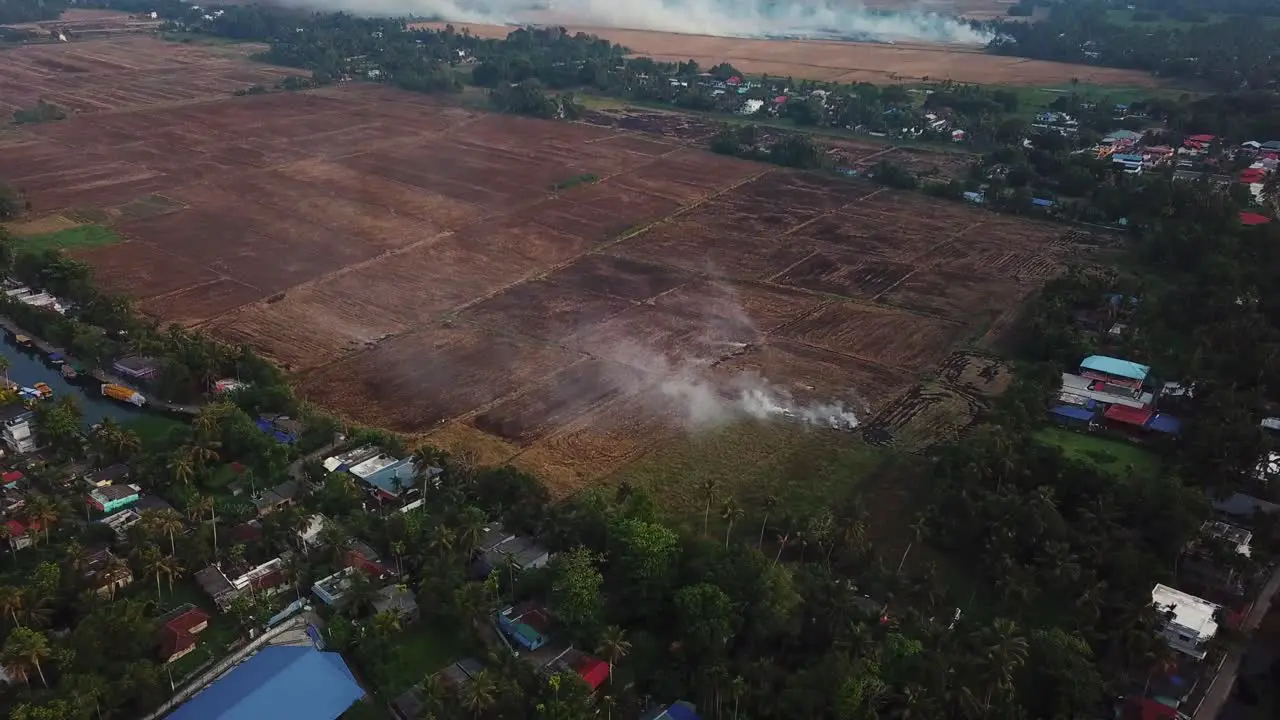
[
  {"x": 704, "y": 398},
  {"x": 829, "y": 19}
]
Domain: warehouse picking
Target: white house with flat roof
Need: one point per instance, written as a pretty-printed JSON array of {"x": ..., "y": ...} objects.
[{"x": 1190, "y": 622}]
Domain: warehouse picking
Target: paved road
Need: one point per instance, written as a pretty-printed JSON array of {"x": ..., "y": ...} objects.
[{"x": 1225, "y": 681}]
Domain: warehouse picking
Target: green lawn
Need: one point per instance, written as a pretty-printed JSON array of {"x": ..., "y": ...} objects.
[
  {"x": 807, "y": 470},
  {"x": 85, "y": 236},
  {"x": 153, "y": 430},
  {"x": 1112, "y": 456},
  {"x": 416, "y": 652}
]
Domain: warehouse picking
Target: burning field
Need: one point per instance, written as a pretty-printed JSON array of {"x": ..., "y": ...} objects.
[
  {"x": 415, "y": 267},
  {"x": 846, "y": 62}
]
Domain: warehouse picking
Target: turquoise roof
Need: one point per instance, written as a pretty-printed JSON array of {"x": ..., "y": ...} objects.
[{"x": 1119, "y": 368}]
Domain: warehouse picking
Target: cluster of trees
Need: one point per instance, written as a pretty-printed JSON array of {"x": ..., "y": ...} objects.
[
  {"x": 24, "y": 11},
  {"x": 101, "y": 327},
  {"x": 1223, "y": 54},
  {"x": 11, "y": 203},
  {"x": 41, "y": 112}
]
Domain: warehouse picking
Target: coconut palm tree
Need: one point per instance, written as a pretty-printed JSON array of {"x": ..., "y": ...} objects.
[
  {"x": 181, "y": 467},
  {"x": 37, "y": 612},
  {"x": 23, "y": 650},
  {"x": 767, "y": 505},
  {"x": 197, "y": 508},
  {"x": 441, "y": 541},
  {"x": 11, "y": 602},
  {"x": 41, "y": 513},
  {"x": 4, "y": 368},
  {"x": 167, "y": 522},
  {"x": 613, "y": 647},
  {"x": 730, "y": 513},
  {"x": 479, "y": 695},
  {"x": 709, "y": 493},
  {"x": 386, "y": 624}
]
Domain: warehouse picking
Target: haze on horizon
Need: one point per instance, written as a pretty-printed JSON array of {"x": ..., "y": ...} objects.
[{"x": 825, "y": 19}]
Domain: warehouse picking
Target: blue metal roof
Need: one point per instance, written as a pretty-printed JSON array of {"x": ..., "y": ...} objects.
[
  {"x": 1113, "y": 366},
  {"x": 1073, "y": 412},
  {"x": 299, "y": 683},
  {"x": 1126, "y": 158},
  {"x": 677, "y": 711},
  {"x": 1243, "y": 505},
  {"x": 1165, "y": 424}
]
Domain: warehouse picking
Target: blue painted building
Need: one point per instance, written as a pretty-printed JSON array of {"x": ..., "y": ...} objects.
[{"x": 298, "y": 683}]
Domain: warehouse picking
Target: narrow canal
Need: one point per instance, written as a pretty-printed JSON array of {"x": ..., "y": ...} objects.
[{"x": 28, "y": 366}]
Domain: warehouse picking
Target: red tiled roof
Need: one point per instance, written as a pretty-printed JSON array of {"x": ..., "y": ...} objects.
[
  {"x": 1248, "y": 218},
  {"x": 173, "y": 642},
  {"x": 1201, "y": 138},
  {"x": 12, "y": 476},
  {"x": 17, "y": 529},
  {"x": 186, "y": 621},
  {"x": 595, "y": 671},
  {"x": 1128, "y": 415}
]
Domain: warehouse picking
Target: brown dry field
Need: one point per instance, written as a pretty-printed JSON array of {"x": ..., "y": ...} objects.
[
  {"x": 124, "y": 72},
  {"x": 846, "y": 62},
  {"x": 411, "y": 264}
]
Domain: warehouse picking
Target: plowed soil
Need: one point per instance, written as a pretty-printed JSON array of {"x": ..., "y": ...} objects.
[{"x": 415, "y": 267}]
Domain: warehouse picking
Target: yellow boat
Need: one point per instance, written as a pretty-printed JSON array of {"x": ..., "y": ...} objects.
[{"x": 22, "y": 340}]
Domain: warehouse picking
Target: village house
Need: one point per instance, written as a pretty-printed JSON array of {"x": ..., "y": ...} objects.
[
  {"x": 224, "y": 586},
  {"x": 280, "y": 496},
  {"x": 409, "y": 705},
  {"x": 178, "y": 630},
  {"x": 284, "y": 429},
  {"x": 499, "y": 549},
  {"x": 113, "y": 497},
  {"x": 107, "y": 574},
  {"x": 120, "y": 522},
  {"x": 109, "y": 475},
  {"x": 398, "y": 600},
  {"x": 1189, "y": 622},
  {"x": 17, "y": 431},
  {"x": 1202, "y": 566},
  {"x": 21, "y": 535},
  {"x": 136, "y": 367},
  {"x": 309, "y": 537}
]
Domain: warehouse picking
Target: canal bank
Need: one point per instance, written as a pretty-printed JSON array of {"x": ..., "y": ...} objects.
[{"x": 30, "y": 365}]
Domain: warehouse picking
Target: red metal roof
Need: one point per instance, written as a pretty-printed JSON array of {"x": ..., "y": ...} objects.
[
  {"x": 1128, "y": 415},
  {"x": 12, "y": 476},
  {"x": 595, "y": 671},
  {"x": 1248, "y": 218},
  {"x": 1201, "y": 138}
]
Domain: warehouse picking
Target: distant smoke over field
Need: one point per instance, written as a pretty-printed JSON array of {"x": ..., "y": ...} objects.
[
  {"x": 827, "y": 19},
  {"x": 704, "y": 397}
]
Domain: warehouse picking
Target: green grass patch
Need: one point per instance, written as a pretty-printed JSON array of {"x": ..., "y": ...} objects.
[
  {"x": 415, "y": 653},
  {"x": 189, "y": 38},
  {"x": 807, "y": 470},
  {"x": 85, "y": 236},
  {"x": 575, "y": 181},
  {"x": 1111, "y": 456},
  {"x": 153, "y": 430}
]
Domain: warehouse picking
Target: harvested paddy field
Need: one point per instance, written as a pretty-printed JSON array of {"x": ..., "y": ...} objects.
[
  {"x": 124, "y": 72},
  {"x": 421, "y": 267},
  {"x": 846, "y": 62}
]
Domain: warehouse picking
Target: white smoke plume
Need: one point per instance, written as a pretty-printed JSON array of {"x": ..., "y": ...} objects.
[
  {"x": 703, "y": 398},
  {"x": 821, "y": 19},
  {"x": 691, "y": 385}
]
